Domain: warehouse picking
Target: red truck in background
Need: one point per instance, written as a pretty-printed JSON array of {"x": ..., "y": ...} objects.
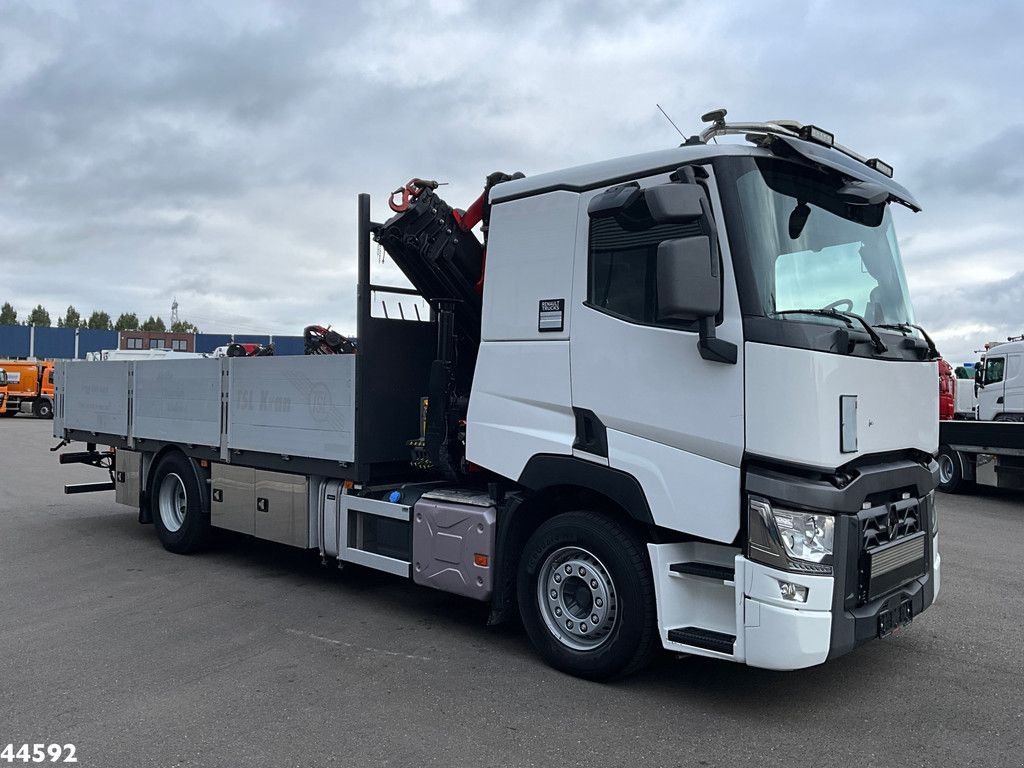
[{"x": 947, "y": 391}]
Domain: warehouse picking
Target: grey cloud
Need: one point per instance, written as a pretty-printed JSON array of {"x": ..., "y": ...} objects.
[
  {"x": 213, "y": 152},
  {"x": 993, "y": 167}
]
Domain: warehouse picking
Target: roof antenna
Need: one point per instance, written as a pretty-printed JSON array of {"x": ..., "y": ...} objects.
[{"x": 670, "y": 120}]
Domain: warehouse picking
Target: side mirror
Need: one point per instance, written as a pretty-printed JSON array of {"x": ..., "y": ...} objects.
[
  {"x": 689, "y": 281},
  {"x": 674, "y": 203}
]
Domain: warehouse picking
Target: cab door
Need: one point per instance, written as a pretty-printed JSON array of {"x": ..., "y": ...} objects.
[
  {"x": 669, "y": 418},
  {"x": 1013, "y": 385},
  {"x": 992, "y": 390}
]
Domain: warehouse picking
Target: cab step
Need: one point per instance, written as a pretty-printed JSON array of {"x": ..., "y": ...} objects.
[
  {"x": 707, "y": 639},
  {"x": 706, "y": 570}
]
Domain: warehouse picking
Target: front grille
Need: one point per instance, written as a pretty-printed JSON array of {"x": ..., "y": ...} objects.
[
  {"x": 893, "y": 547},
  {"x": 884, "y": 525},
  {"x": 895, "y": 564}
]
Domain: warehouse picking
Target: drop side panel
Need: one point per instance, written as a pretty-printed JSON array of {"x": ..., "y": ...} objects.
[
  {"x": 177, "y": 401},
  {"x": 95, "y": 397},
  {"x": 293, "y": 406}
]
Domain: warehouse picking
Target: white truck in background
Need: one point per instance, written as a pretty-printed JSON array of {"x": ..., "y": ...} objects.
[
  {"x": 685, "y": 407},
  {"x": 988, "y": 447},
  {"x": 1000, "y": 380}
]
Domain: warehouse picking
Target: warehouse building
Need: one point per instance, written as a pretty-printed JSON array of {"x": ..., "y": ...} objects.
[{"x": 25, "y": 341}]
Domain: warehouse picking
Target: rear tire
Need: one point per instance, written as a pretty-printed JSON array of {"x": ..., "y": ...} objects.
[
  {"x": 177, "y": 504},
  {"x": 586, "y": 596},
  {"x": 1011, "y": 417},
  {"x": 43, "y": 409},
  {"x": 951, "y": 471}
]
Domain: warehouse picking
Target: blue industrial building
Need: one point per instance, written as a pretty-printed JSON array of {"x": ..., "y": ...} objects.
[{"x": 21, "y": 341}]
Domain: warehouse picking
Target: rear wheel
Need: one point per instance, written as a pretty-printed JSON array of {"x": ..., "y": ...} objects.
[
  {"x": 586, "y": 596},
  {"x": 43, "y": 409},
  {"x": 177, "y": 505},
  {"x": 951, "y": 471}
]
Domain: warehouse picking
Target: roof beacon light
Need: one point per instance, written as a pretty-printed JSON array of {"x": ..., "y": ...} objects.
[
  {"x": 817, "y": 135},
  {"x": 883, "y": 168}
]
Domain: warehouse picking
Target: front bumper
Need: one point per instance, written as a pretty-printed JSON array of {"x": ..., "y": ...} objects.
[{"x": 849, "y": 607}]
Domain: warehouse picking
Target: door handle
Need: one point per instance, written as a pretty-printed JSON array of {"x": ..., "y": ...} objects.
[{"x": 262, "y": 505}]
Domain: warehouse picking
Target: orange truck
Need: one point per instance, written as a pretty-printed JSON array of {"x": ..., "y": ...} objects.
[
  {"x": 3, "y": 391},
  {"x": 29, "y": 388}
]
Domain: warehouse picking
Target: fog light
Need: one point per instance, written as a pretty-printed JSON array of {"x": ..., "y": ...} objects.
[{"x": 794, "y": 593}]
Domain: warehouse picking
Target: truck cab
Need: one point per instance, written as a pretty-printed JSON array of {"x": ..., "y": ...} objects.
[
  {"x": 1000, "y": 382},
  {"x": 3, "y": 392},
  {"x": 725, "y": 335}
]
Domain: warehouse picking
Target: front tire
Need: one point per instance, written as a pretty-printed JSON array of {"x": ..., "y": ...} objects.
[
  {"x": 951, "y": 471},
  {"x": 178, "y": 505},
  {"x": 586, "y": 596},
  {"x": 43, "y": 409}
]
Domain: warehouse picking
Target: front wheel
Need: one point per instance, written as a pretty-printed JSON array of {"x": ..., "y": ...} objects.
[
  {"x": 586, "y": 596},
  {"x": 177, "y": 505},
  {"x": 951, "y": 471},
  {"x": 43, "y": 409}
]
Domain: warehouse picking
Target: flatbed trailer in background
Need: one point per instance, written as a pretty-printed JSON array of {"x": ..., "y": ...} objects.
[{"x": 980, "y": 452}]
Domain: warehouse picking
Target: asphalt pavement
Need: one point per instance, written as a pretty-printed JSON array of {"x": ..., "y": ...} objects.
[{"x": 253, "y": 654}]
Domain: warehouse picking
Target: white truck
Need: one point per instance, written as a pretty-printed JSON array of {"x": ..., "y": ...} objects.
[
  {"x": 988, "y": 448},
  {"x": 685, "y": 406},
  {"x": 1000, "y": 381}
]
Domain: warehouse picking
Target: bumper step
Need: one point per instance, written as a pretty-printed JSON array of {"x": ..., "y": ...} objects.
[
  {"x": 707, "y": 570},
  {"x": 707, "y": 639}
]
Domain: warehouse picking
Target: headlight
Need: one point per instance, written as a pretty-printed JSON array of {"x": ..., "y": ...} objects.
[
  {"x": 807, "y": 536},
  {"x": 790, "y": 540}
]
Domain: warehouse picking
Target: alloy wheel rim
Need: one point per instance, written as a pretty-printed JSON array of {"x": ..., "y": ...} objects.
[
  {"x": 173, "y": 502},
  {"x": 577, "y": 598},
  {"x": 945, "y": 469}
]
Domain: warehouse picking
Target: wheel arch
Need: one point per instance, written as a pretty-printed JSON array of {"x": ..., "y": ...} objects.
[
  {"x": 201, "y": 477},
  {"x": 550, "y": 485}
]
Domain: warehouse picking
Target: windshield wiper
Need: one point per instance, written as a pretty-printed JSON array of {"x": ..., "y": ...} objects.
[
  {"x": 933, "y": 351},
  {"x": 846, "y": 317}
]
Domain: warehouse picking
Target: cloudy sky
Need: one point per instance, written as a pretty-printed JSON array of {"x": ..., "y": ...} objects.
[{"x": 213, "y": 151}]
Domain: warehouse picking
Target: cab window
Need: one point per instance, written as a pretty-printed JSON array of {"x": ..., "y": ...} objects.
[
  {"x": 994, "y": 367},
  {"x": 623, "y": 267}
]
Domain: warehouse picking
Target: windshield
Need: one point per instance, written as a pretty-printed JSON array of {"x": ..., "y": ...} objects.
[{"x": 806, "y": 248}]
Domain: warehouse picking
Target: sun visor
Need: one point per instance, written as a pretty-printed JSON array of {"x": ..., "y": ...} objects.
[{"x": 836, "y": 160}]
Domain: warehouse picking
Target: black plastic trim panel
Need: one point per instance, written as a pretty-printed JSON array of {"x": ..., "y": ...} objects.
[
  {"x": 853, "y": 624},
  {"x": 591, "y": 434},
  {"x": 706, "y": 570},
  {"x": 707, "y": 639},
  {"x": 830, "y": 337},
  {"x": 825, "y": 494},
  {"x": 550, "y": 470}
]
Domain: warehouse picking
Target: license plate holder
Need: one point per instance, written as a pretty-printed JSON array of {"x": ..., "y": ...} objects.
[{"x": 893, "y": 619}]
